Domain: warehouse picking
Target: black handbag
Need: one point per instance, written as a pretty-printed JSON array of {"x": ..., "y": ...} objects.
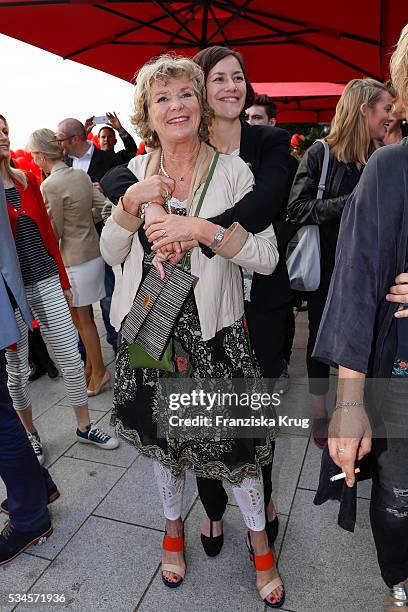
[{"x": 159, "y": 301}]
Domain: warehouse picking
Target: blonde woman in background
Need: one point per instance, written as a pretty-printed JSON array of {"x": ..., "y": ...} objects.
[
  {"x": 71, "y": 201},
  {"x": 361, "y": 119}
]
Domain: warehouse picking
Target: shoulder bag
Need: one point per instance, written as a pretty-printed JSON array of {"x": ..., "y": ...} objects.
[{"x": 303, "y": 250}]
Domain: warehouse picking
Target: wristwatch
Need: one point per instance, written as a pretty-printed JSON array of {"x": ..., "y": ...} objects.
[{"x": 218, "y": 238}]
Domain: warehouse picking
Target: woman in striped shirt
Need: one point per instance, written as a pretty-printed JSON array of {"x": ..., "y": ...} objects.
[{"x": 48, "y": 294}]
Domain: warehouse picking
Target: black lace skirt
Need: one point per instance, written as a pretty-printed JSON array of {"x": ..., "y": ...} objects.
[{"x": 227, "y": 355}]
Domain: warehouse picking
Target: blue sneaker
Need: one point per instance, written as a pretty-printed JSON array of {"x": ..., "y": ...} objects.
[{"x": 95, "y": 435}]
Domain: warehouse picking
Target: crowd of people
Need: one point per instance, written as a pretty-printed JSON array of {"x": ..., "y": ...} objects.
[{"x": 218, "y": 197}]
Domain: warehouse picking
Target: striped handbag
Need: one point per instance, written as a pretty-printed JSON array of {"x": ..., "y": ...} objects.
[{"x": 158, "y": 302}]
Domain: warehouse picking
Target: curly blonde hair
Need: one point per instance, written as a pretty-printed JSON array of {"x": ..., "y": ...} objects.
[
  {"x": 162, "y": 69},
  {"x": 399, "y": 67}
]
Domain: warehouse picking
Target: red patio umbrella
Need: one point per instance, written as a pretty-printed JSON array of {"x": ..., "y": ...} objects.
[
  {"x": 303, "y": 102},
  {"x": 282, "y": 40}
]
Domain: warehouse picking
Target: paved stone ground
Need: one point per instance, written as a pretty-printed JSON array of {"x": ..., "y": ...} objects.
[{"x": 104, "y": 554}]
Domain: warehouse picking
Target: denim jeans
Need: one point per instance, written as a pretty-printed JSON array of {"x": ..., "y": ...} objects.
[
  {"x": 105, "y": 303},
  {"x": 26, "y": 482},
  {"x": 389, "y": 496}
]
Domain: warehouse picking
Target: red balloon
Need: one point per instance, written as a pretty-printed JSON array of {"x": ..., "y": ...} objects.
[
  {"x": 19, "y": 153},
  {"x": 294, "y": 143},
  {"x": 22, "y": 163}
]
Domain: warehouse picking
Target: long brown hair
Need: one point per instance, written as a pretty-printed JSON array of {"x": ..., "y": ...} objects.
[{"x": 13, "y": 173}]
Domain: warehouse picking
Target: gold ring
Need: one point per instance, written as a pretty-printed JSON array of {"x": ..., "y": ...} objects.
[{"x": 163, "y": 232}]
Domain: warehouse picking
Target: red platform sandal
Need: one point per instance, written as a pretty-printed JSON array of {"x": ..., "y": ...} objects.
[
  {"x": 262, "y": 564},
  {"x": 173, "y": 545}
]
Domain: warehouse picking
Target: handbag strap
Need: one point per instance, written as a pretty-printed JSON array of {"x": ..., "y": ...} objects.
[
  {"x": 186, "y": 255},
  {"x": 322, "y": 181},
  {"x": 206, "y": 184}
]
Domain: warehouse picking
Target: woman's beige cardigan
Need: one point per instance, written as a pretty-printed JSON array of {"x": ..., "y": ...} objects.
[{"x": 218, "y": 293}]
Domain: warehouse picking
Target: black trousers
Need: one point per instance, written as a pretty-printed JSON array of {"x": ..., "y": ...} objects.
[
  {"x": 37, "y": 349},
  {"x": 389, "y": 495},
  {"x": 214, "y": 497},
  {"x": 318, "y": 372},
  {"x": 290, "y": 334},
  {"x": 269, "y": 338}
]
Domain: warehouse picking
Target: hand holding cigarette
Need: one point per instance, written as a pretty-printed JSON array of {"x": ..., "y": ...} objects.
[{"x": 343, "y": 475}]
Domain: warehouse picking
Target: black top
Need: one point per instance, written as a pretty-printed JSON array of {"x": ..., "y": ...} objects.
[
  {"x": 304, "y": 208},
  {"x": 266, "y": 151},
  {"x": 35, "y": 261},
  {"x": 125, "y": 155},
  {"x": 328, "y": 238}
]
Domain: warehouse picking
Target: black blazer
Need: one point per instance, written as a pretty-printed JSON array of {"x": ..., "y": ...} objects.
[
  {"x": 101, "y": 162},
  {"x": 266, "y": 151},
  {"x": 125, "y": 155}
]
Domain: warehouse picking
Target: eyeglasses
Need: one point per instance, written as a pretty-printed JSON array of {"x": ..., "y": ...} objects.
[{"x": 60, "y": 140}]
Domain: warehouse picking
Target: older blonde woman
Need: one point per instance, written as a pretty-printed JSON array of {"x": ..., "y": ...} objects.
[
  {"x": 366, "y": 336},
  {"x": 71, "y": 201},
  {"x": 170, "y": 114}
]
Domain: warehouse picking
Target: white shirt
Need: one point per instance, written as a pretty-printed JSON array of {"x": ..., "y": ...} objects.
[{"x": 82, "y": 163}]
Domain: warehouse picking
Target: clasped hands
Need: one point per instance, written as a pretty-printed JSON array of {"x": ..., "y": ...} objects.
[{"x": 170, "y": 235}]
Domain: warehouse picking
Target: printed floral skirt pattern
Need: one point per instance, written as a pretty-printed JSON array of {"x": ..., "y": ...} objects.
[{"x": 227, "y": 355}]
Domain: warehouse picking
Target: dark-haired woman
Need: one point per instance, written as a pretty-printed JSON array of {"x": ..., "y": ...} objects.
[{"x": 268, "y": 298}]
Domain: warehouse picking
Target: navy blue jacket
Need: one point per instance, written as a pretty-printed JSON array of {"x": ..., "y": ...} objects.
[{"x": 358, "y": 329}]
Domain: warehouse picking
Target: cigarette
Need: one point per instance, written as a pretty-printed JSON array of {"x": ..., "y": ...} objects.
[{"x": 343, "y": 475}]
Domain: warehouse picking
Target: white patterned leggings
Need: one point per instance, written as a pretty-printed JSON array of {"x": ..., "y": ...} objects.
[
  {"x": 248, "y": 495},
  {"x": 50, "y": 308}
]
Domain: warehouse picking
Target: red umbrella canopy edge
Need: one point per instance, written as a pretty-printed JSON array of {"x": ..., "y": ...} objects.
[{"x": 281, "y": 40}]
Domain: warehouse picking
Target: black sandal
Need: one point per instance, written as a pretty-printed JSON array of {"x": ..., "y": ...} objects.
[{"x": 212, "y": 544}]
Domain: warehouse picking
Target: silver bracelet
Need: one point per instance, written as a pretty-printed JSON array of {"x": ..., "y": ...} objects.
[
  {"x": 347, "y": 404},
  {"x": 142, "y": 210}
]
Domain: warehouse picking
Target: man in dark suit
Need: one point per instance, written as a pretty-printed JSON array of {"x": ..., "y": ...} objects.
[
  {"x": 81, "y": 153},
  {"x": 107, "y": 138}
]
